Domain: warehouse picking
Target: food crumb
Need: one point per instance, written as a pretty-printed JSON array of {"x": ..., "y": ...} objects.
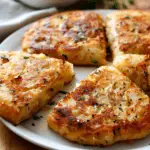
[{"x": 33, "y": 124}]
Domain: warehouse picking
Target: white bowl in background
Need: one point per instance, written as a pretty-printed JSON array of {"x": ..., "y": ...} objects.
[{"x": 48, "y": 3}]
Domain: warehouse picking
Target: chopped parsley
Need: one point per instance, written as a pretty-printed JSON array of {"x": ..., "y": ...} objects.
[
  {"x": 115, "y": 5},
  {"x": 131, "y": 2},
  {"x": 36, "y": 117},
  {"x": 121, "y": 109},
  {"x": 94, "y": 61},
  {"x": 12, "y": 90},
  {"x": 65, "y": 56},
  {"x": 81, "y": 98},
  {"x": 124, "y": 6},
  {"x": 25, "y": 57},
  {"x": 99, "y": 29},
  {"x": 127, "y": 17}
]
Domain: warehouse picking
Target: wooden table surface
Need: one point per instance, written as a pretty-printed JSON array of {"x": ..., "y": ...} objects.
[{"x": 10, "y": 141}]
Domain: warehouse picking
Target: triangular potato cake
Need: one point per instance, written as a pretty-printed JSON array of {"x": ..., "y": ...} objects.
[
  {"x": 76, "y": 36},
  {"x": 28, "y": 82},
  {"x": 136, "y": 67},
  {"x": 105, "y": 108},
  {"x": 128, "y": 32}
]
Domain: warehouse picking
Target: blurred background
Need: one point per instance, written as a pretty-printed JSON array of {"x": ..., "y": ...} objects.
[
  {"x": 15, "y": 14},
  {"x": 89, "y": 4}
]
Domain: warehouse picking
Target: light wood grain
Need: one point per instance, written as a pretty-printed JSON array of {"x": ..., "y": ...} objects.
[{"x": 10, "y": 141}]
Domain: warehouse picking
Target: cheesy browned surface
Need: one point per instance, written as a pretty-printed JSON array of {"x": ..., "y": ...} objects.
[
  {"x": 105, "y": 108},
  {"x": 136, "y": 67},
  {"x": 129, "y": 32},
  {"x": 76, "y": 36},
  {"x": 28, "y": 82}
]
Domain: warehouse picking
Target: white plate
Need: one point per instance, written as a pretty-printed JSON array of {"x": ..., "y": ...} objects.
[{"x": 40, "y": 134}]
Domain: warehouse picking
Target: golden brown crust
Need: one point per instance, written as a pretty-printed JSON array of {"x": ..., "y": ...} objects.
[
  {"x": 76, "y": 36},
  {"x": 136, "y": 67},
  {"x": 129, "y": 32},
  {"x": 28, "y": 82},
  {"x": 106, "y": 108}
]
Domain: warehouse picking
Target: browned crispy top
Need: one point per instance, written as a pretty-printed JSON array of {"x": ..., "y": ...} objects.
[
  {"x": 133, "y": 31},
  {"x": 65, "y": 32},
  {"x": 105, "y": 101}
]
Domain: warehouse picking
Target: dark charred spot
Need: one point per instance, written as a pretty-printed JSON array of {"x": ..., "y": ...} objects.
[
  {"x": 65, "y": 56},
  {"x": 63, "y": 112},
  {"x": 71, "y": 120},
  {"x": 27, "y": 104},
  {"x": 80, "y": 124},
  {"x": 116, "y": 131},
  {"x": 146, "y": 73},
  {"x": 51, "y": 103},
  {"x": 80, "y": 98},
  {"x": 39, "y": 39},
  {"x": 33, "y": 124},
  {"x": 17, "y": 79},
  {"x": 45, "y": 81},
  {"x": 1, "y": 81},
  {"x": 51, "y": 89},
  {"x": 60, "y": 17},
  {"x": 4, "y": 59},
  {"x": 85, "y": 90},
  {"x": 63, "y": 92}
]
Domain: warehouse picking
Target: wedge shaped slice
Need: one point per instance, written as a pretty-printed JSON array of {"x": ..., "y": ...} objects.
[
  {"x": 28, "y": 82},
  {"x": 128, "y": 32},
  {"x": 105, "y": 108},
  {"x": 136, "y": 67},
  {"x": 76, "y": 36}
]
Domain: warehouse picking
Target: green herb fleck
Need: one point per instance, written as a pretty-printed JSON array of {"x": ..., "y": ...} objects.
[
  {"x": 121, "y": 109},
  {"x": 99, "y": 29},
  {"x": 94, "y": 61},
  {"x": 25, "y": 57},
  {"x": 12, "y": 91},
  {"x": 36, "y": 117},
  {"x": 81, "y": 98},
  {"x": 115, "y": 5},
  {"x": 131, "y": 2},
  {"x": 124, "y": 6},
  {"x": 127, "y": 17}
]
